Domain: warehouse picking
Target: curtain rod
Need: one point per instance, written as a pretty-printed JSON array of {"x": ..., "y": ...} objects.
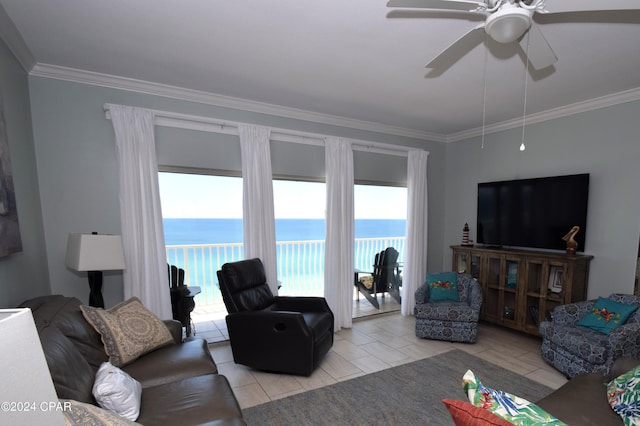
[{"x": 206, "y": 124}]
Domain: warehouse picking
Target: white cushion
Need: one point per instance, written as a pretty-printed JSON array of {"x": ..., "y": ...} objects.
[{"x": 117, "y": 391}]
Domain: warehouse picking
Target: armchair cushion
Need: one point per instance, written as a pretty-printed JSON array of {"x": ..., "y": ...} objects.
[
  {"x": 607, "y": 315},
  {"x": 244, "y": 286},
  {"x": 584, "y": 343},
  {"x": 447, "y": 311},
  {"x": 443, "y": 286}
]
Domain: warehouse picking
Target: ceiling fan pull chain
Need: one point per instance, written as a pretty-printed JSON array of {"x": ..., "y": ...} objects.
[
  {"x": 524, "y": 107},
  {"x": 484, "y": 90}
]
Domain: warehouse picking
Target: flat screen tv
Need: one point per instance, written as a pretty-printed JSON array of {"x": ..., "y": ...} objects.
[{"x": 533, "y": 213}]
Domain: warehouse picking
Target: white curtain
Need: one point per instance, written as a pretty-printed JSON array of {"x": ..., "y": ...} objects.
[
  {"x": 257, "y": 199},
  {"x": 415, "y": 256},
  {"x": 338, "y": 264},
  {"x": 145, "y": 275}
]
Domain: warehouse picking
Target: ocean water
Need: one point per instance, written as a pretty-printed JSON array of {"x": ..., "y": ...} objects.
[
  {"x": 220, "y": 231},
  {"x": 300, "y": 266}
]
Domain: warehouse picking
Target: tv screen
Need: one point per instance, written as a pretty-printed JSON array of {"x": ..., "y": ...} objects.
[{"x": 534, "y": 213}]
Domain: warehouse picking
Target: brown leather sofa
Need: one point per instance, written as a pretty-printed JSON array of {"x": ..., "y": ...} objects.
[
  {"x": 180, "y": 382},
  {"x": 583, "y": 399}
]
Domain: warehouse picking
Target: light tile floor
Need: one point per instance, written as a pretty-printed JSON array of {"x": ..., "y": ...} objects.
[
  {"x": 378, "y": 342},
  {"x": 208, "y": 321}
]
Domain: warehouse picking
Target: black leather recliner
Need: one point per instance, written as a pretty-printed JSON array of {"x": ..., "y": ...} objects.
[{"x": 273, "y": 333}]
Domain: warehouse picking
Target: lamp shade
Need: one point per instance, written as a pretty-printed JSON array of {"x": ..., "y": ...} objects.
[
  {"x": 27, "y": 393},
  {"x": 95, "y": 252}
]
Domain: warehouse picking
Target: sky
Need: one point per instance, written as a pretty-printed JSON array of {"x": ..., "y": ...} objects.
[{"x": 203, "y": 196}]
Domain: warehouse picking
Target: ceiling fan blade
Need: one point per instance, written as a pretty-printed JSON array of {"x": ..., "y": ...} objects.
[
  {"x": 539, "y": 53},
  {"x": 560, "y": 6},
  {"x": 458, "y": 49},
  {"x": 467, "y": 5}
]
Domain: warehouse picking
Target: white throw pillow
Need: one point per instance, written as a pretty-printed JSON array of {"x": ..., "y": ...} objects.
[{"x": 117, "y": 391}]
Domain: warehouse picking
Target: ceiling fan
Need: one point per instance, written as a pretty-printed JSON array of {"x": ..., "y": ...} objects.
[{"x": 508, "y": 21}]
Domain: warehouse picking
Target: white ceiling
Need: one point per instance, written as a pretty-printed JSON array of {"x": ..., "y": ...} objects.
[{"x": 356, "y": 59}]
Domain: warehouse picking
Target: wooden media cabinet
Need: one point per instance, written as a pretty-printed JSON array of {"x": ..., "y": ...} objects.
[{"x": 520, "y": 288}]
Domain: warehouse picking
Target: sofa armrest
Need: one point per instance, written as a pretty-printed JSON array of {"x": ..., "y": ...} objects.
[
  {"x": 621, "y": 366},
  {"x": 175, "y": 328}
]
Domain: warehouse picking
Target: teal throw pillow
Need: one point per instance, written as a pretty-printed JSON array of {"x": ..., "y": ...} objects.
[
  {"x": 607, "y": 315},
  {"x": 443, "y": 286}
]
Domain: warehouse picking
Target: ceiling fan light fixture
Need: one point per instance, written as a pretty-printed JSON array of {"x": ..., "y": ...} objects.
[{"x": 508, "y": 24}]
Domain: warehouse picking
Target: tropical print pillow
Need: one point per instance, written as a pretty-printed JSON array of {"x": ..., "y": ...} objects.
[
  {"x": 623, "y": 393},
  {"x": 511, "y": 408}
]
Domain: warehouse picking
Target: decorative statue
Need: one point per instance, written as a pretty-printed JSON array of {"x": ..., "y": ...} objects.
[
  {"x": 572, "y": 245},
  {"x": 465, "y": 236}
]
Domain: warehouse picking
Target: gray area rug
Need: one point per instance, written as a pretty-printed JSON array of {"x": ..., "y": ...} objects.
[{"x": 409, "y": 394}]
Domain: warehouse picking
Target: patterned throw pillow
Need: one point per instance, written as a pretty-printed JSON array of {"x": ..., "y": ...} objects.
[
  {"x": 623, "y": 393},
  {"x": 82, "y": 414},
  {"x": 607, "y": 315},
  {"x": 509, "y": 407},
  {"x": 443, "y": 286},
  {"x": 128, "y": 330},
  {"x": 466, "y": 414}
]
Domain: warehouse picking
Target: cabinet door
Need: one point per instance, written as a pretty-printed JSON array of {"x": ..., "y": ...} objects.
[
  {"x": 492, "y": 295},
  {"x": 510, "y": 288},
  {"x": 475, "y": 265},
  {"x": 467, "y": 262},
  {"x": 535, "y": 280},
  {"x": 556, "y": 287},
  {"x": 460, "y": 261}
]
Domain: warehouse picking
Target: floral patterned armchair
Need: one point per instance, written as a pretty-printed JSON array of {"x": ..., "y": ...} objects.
[
  {"x": 450, "y": 320},
  {"x": 574, "y": 349}
]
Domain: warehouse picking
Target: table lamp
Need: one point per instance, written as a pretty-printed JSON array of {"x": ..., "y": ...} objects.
[
  {"x": 27, "y": 392},
  {"x": 95, "y": 253}
]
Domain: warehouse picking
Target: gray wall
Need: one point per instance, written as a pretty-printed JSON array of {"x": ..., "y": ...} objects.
[
  {"x": 24, "y": 274},
  {"x": 65, "y": 175},
  {"x": 77, "y": 166},
  {"x": 604, "y": 143}
]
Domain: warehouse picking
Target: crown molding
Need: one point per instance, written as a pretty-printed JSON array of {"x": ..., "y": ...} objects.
[
  {"x": 133, "y": 85},
  {"x": 173, "y": 92},
  {"x": 576, "y": 108},
  {"x": 12, "y": 37}
]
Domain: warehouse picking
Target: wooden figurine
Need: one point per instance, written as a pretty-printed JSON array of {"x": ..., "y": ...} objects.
[{"x": 572, "y": 245}]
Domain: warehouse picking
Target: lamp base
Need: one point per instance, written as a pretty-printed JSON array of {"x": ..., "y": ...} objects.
[{"x": 95, "y": 286}]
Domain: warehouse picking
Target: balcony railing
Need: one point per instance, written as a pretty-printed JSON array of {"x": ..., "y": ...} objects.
[{"x": 300, "y": 264}]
